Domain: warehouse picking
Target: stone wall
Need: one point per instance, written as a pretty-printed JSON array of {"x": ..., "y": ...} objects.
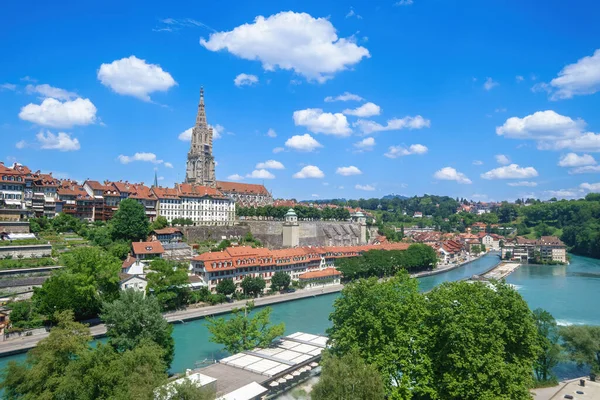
[
  {"x": 14, "y": 227},
  {"x": 27, "y": 251},
  {"x": 270, "y": 233}
]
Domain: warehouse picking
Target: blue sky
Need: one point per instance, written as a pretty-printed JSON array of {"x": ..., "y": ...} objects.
[{"x": 485, "y": 100}]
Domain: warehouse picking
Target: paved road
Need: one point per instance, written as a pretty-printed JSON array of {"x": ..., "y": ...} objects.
[
  {"x": 19, "y": 345},
  {"x": 24, "y": 343}
]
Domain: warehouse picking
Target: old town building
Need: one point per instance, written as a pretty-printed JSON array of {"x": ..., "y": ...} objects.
[{"x": 236, "y": 263}]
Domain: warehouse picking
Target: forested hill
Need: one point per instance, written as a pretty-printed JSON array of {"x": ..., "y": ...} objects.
[{"x": 579, "y": 221}]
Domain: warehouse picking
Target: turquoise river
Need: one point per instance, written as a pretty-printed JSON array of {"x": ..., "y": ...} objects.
[{"x": 568, "y": 292}]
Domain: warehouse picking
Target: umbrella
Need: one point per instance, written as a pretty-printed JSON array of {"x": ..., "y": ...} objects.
[
  {"x": 296, "y": 372},
  {"x": 273, "y": 384},
  {"x": 307, "y": 368},
  {"x": 313, "y": 364},
  {"x": 288, "y": 377},
  {"x": 281, "y": 380}
]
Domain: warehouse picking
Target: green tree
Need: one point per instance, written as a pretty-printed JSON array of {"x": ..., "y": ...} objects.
[
  {"x": 226, "y": 287},
  {"x": 253, "y": 286},
  {"x": 21, "y": 312},
  {"x": 348, "y": 378},
  {"x": 90, "y": 276},
  {"x": 280, "y": 280},
  {"x": 168, "y": 281},
  {"x": 130, "y": 221},
  {"x": 159, "y": 223},
  {"x": 186, "y": 390},
  {"x": 39, "y": 376},
  {"x": 482, "y": 341},
  {"x": 384, "y": 322},
  {"x": 244, "y": 332},
  {"x": 582, "y": 343},
  {"x": 134, "y": 318},
  {"x": 548, "y": 338},
  {"x": 65, "y": 223}
]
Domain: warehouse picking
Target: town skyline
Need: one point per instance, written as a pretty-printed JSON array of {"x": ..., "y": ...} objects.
[{"x": 502, "y": 116}]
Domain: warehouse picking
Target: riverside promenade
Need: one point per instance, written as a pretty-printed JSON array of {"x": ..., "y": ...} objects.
[{"x": 23, "y": 343}]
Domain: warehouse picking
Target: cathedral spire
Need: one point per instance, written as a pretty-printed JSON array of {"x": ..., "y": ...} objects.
[{"x": 201, "y": 117}]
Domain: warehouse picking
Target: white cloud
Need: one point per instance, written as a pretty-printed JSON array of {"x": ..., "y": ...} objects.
[
  {"x": 21, "y": 144},
  {"x": 404, "y": 3},
  {"x": 303, "y": 143},
  {"x": 574, "y": 160},
  {"x": 500, "y": 110},
  {"x": 278, "y": 150},
  {"x": 399, "y": 151},
  {"x": 351, "y": 13},
  {"x": 260, "y": 174},
  {"x": 562, "y": 193},
  {"x": 145, "y": 157},
  {"x": 450, "y": 174},
  {"x": 585, "y": 142},
  {"x": 317, "y": 121},
  {"x": 519, "y": 78},
  {"x": 502, "y": 159},
  {"x": 186, "y": 135},
  {"x": 365, "y": 144},
  {"x": 512, "y": 171},
  {"x": 577, "y": 79},
  {"x": 49, "y": 91},
  {"x": 314, "y": 195},
  {"x": 477, "y": 162},
  {"x": 366, "y": 110},
  {"x": 523, "y": 183},
  {"x": 270, "y": 164},
  {"x": 134, "y": 77},
  {"x": 347, "y": 96},
  {"x": 8, "y": 86},
  {"x": 290, "y": 41},
  {"x": 541, "y": 125},
  {"x": 160, "y": 178},
  {"x": 235, "y": 177},
  {"x": 394, "y": 124},
  {"x": 348, "y": 171},
  {"x": 592, "y": 187},
  {"x": 61, "y": 141},
  {"x": 218, "y": 131},
  {"x": 168, "y": 165},
  {"x": 588, "y": 169},
  {"x": 58, "y": 114},
  {"x": 245, "y": 80},
  {"x": 490, "y": 84},
  {"x": 368, "y": 188},
  {"x": 271, "y": 133},
  {"x": 309, "y": 171}
]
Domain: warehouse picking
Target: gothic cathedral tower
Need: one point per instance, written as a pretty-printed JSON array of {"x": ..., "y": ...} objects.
[{"x": 200, "y": 161}]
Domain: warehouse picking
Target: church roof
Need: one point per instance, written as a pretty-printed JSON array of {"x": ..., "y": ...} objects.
[{"x": 243, "y": 188}]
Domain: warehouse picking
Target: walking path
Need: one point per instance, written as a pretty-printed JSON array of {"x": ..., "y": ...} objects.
[
  {"x": 24, "y": 343},
  {"x": 501, "y": 271}
]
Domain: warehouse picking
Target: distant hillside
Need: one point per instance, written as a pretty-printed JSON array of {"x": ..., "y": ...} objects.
[{"x": 394, "y": 196}]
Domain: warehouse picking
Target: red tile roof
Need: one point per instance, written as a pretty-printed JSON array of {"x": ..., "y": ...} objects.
[
  {"x": 147, "y": 247},
  {"x": 169, "y": 230},
  {"x": 327, "y": 272},
  {"x": 244, "y": 188}
]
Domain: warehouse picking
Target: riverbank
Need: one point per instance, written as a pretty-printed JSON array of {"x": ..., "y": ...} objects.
[{"x": 24, "y": 343}]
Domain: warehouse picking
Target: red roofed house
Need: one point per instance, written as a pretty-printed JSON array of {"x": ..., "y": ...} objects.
[
  {"x": 133, "y": 269},
  {"x": 238, "y": 262},
  {"x": 166, "y": 235},
  {"x": 321, "y": 277},
  {"x": 246, "y": 194}
]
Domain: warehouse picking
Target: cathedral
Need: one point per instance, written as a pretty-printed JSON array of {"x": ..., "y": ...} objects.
[{"x": 200, "y": 169}]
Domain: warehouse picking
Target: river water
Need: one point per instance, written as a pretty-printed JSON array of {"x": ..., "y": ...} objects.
[{"x": 567, "y": 292}]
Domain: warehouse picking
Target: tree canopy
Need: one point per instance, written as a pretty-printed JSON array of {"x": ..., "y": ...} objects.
[
  {"x": 226, "y": 287},
  {"x": 548, "y": 341},
  {"x": 130, "y": 221},
  {"x": 244, "y": 331},
  {"x": 582, "y": 343},
  {"x": 460, "y": 340},
  {"x": 280, "y": 281},
  {"x": 253, "y": 286},
  {"x": 134, "y": 318},
  {"x": 347, "y": 378},
  {"x": 168, "y": 282}
]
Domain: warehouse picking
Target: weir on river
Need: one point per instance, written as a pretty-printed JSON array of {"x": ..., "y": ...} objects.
[{"x": 565, "y": 291}]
